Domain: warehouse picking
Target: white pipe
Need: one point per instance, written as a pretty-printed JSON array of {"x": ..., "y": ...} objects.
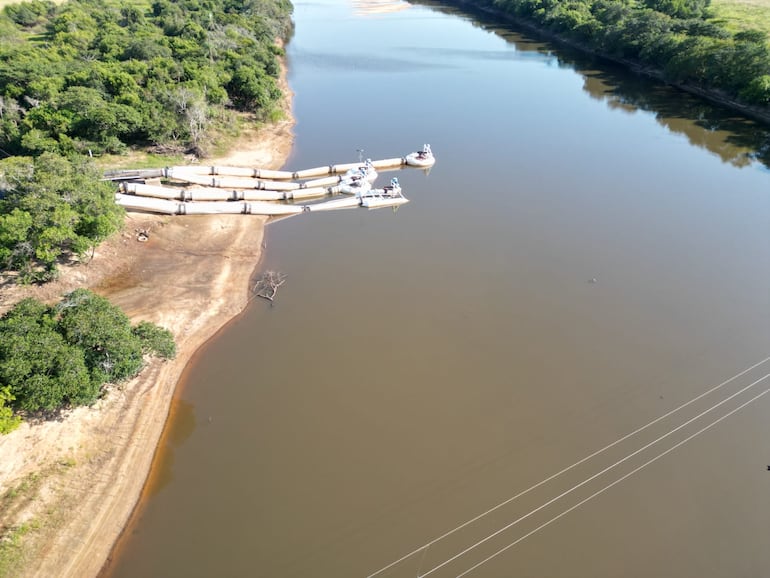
[
  {"x": 152, "y": 190},
  {"x": 262, "y": 195},
  {"x": 314, "y": 172},
  {"x": 212, "y": 208},
  {"x": 308, "y": 193},
  {"x": 343, "y": 168},
  {"x": 274, "y": 175},
  {"x": 147, "y": 204},
  {"x": 385, "y": 163},
  {"x": 262, "y": 208},
  {"x": 324, "y": 182}
]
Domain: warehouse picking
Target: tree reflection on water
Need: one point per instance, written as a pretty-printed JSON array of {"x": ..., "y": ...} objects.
[{"x": 733, "y": 137}]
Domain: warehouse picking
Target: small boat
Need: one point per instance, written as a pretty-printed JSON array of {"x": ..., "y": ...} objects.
[
  {"x": 423, "y": 158},
  {"x": 355, "y": 185},
  {"x": 335, "y": 204},
  {"x": 380, "y": 202},
  {"x": 389, "y": 196},
  {"x": 359, "y": 179},
  {"x": 365, "y": 171}
]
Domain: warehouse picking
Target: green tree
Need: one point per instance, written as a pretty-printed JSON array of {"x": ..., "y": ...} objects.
[
  {"x": 676, "y": 38},
  {"x": 37, "y": 367},
  {"x": 53, "y": 357},
  {"x": 680, "y": 8},
  {"x": 15, "y": 249},
  {"x": 155, "y": 340},
  {"x": 8, "y": 421},
  {"x": 112, "y": 352},
  {"x": 758, "y": 91},
  {"x": 52, "y": 208},
  {"x": 28, "y": 14},
  {"x": 102, "y": 76}
]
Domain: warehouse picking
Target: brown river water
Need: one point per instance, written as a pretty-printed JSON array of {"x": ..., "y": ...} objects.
[{"x": 570, "y": 320}]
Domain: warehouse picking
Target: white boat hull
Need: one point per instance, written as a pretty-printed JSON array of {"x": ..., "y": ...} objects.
[
  {"x": 415, "y": 160},
  {"x": 380, "y": 202},
  {"x": 423, "y": 158},
  {"x": 335, "y": 204}
]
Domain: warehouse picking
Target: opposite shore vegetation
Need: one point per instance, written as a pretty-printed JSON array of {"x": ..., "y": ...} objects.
[{"x": 88, "y": 85}]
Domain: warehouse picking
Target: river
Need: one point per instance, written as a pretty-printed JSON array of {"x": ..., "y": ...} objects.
[{"x": 580, "y": 285}]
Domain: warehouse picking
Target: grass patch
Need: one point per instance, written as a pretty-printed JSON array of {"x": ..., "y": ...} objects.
[
  {"x": 12, "y": 537},
  {"x": 17, "y": 538},
  {"x": 138, "y": 160},
  {"x": 11, "y": 548},
  {"x": 739, "y": 15},
  {"x": 28, "y": 485}
]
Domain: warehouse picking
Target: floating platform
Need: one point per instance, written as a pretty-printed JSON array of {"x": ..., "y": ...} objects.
[
  {"x": 183, "y": 172},
  {"x": 244, "y": 190}
]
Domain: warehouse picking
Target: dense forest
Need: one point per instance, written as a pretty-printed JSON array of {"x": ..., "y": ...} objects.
[
  {"x": 79, "y": 79},
  {"x": 93, "y": 76},
  {"x": 86, "y": 77},
  {"x": 676, "y": 39},
  {"x": 53, "y": 357},
  {"x": 51, "y": 210}
]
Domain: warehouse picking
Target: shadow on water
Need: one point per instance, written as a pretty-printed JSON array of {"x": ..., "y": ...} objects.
[
  {"x": 180, "y": 426},
  {"x": 734, "y": 138}
]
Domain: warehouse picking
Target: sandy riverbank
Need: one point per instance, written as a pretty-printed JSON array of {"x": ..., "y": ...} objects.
[{"x": 69, "y": 486}]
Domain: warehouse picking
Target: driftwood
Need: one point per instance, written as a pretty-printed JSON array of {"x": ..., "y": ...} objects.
[{"x": 268, "y": 283}]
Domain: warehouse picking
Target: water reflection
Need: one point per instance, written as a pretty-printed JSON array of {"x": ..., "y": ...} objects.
[
  {"x": 735, "y": 139},
  {"x": 361, "y": 64},
  {"x": 375, "y": 7},
  {"x": 180, "y": 426}
]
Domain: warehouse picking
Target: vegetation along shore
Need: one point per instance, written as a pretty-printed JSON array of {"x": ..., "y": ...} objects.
[
  {"x": 718, "y": 50},
  {"x": 102, "y": 310}
]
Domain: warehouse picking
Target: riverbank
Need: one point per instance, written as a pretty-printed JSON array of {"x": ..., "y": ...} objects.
[
  {"x": 715, "y": 96},
  {"x": 68, "y": 487}
]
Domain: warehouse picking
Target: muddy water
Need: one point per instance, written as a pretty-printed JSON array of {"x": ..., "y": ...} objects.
[{"x": 590, "y": 252}]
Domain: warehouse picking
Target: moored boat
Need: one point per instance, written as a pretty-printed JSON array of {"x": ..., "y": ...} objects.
[
  {"x": 423, "y": 158},
  {"x": 389, "y": 196},
  {"x": 336, "y": 204},
  {"x": 365, "y": 171},
  {"x": 355, "y": 186},
  {"x": 380, "y": 202}
]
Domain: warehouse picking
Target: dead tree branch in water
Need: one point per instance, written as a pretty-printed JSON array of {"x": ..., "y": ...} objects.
[{"x": 268, "y": 283}]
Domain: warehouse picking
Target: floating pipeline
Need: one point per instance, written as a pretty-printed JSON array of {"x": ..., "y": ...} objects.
[{"x": 243, "y": 190}]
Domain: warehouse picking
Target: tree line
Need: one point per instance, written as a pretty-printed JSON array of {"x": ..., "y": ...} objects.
[
  {"x": 58, "y": 356},
  {"x": 676, "y": 38},
  {"x": 89, "y": 76},
  {"x": 85, "y": 77},
  {"x": 92, "y": 76}
]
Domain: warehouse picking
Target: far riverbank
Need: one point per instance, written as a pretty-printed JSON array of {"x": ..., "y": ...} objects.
[{"x": 720, "y": 98}]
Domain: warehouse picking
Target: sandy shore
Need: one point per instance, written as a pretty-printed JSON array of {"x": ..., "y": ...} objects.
[{"x": 68, "y": 487}]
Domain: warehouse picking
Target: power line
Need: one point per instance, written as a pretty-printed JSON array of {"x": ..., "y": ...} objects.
[
  {"x": 565, "y": 470},
  {"x": 593, "y": 477},
  {"x": 607, "y": 487}
]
